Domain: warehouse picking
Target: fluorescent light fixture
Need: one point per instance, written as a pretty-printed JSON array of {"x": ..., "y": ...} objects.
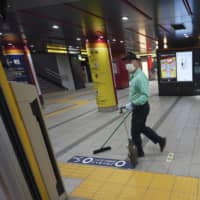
[
  {"x": 124, "y": 18},
  {"x": 56, "y": 51},
  {"x": 78, "y": 39},
  {"x": 73, "y": 52},
  {"x": 78, "y": 47},
  {"x": 165, "y": 40},
  {"x": 186, "y": 35},
  {"x": 157, "y": 42},
  {"x": 101, "y": 37},
  {"x": 81, "y": 58},
  {"x": 55, "y": 26},
  {"x": 114, "y": 40},
  {"x": 10, "y": 44},
  {"x": 165, "y": 46},
  {"x": 121, "y": 41}
]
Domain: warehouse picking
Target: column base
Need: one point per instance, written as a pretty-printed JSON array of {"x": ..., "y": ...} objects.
[{"x": 108, "y": 109}]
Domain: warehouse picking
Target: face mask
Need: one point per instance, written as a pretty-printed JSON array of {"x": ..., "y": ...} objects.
[{"x": 130, "y": 68}]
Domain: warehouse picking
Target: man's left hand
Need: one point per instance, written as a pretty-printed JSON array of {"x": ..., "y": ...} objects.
[{"x": 129, "y": 107}]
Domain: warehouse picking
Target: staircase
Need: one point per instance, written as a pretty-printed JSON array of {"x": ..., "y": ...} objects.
[{"x": 47, "y": 86}]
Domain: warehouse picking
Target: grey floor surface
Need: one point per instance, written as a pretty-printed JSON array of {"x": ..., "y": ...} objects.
[{"x": 80, "y": 131}]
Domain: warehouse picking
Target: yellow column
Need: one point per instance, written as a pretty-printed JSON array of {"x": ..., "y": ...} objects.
[{"x": 102, "y": 76}]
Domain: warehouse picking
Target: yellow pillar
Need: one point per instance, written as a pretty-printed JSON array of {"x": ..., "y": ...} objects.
[{"x": 102, "y": 76}]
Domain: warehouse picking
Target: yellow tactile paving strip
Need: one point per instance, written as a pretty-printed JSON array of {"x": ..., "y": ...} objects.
[
  {"x": 76, "y": 104},
  {"x": 69, "y": 97},
  {"x": 101, "y": 183}
]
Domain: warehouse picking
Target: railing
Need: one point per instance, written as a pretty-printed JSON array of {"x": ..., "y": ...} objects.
[{"x": 51, "y": 74}]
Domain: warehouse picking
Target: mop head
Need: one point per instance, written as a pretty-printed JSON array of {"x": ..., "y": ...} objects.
[{"x": 132, "y": 153}]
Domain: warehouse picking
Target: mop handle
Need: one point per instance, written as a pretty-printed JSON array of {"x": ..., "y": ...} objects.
[{"x": 116, "y": 129}]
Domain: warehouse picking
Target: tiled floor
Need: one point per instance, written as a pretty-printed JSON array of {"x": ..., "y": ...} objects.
[
  {"x": 77, "y": 128},
  {"x": 109, "y": 183}
]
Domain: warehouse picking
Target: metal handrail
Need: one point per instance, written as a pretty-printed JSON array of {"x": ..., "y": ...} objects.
[{"x": 53, "y": 74}]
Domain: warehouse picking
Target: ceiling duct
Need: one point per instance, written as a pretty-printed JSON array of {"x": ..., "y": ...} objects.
[{"x": 177, "y": 27}]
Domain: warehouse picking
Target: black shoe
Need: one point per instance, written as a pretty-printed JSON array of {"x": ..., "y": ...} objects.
[
  {"x": 162, "y": 144},
  {"x": 140, "y": 154}
]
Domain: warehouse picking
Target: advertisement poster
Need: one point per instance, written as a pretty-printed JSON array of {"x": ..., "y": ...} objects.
[
  {"x": 168, "y": 66},
  {"x": 184, "y": 66},
  {"x": 15, "y": 65}
]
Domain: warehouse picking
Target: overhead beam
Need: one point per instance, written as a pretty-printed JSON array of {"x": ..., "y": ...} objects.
[
  {"x": 187, "y": 7},
  {"x": 137, "y": 9}
]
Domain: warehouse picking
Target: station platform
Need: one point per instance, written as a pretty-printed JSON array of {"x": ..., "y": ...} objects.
[{"x": 76, "y": 128}]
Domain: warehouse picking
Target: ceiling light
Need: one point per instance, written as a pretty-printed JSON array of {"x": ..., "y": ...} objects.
[
  {"x": 114, "y": 40},
  {"x": 165, "y": 40},
  {"x": 78, "y": 39},
  {"x": 121, "y": 41},
  {"x": 10, "y": 44},
  {"x": 55, "y": 27},
  {"x": 101, "y": 36},
  {"x": 77, "y": 47},
  {"x": 1, "y": 33},
  {"x": 165, "y": 46},
  {"x": 157, "y": 42},
  {"x": 186, "y": 35},
  {"x": 32, "y": 46},
  {"x": 125, "y": 18}
]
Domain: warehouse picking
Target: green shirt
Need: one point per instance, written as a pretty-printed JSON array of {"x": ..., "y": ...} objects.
[{"x": 138, "y": 88}]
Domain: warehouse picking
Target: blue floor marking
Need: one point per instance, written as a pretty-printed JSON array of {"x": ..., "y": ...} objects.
[{"x": 106, "y": 162}]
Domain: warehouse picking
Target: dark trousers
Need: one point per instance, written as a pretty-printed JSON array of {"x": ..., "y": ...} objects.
[{"x": 138, "y": 126}]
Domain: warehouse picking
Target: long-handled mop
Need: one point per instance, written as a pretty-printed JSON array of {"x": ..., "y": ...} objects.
[{"x": 103, "y": 148}]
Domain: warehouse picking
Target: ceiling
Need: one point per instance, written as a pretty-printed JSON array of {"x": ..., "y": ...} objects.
[{"x": 148, "y": 21}]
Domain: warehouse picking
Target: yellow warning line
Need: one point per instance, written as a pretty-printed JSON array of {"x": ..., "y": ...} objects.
[
  {"x": 77, "y": 104},
  {"x": 111, "y": 183},
  {"x": 69, "y": 98},
  {"x": 62, "y": 100}
]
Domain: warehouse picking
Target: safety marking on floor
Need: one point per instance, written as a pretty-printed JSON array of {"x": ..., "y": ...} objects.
[
  {"x": 170, "y": 157},
  {"x": 111, "y": 183},
  {"x": 106, "y": 162},
  {"x": 69, "y": 98},
  {"x": 76, "y": 104}
]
